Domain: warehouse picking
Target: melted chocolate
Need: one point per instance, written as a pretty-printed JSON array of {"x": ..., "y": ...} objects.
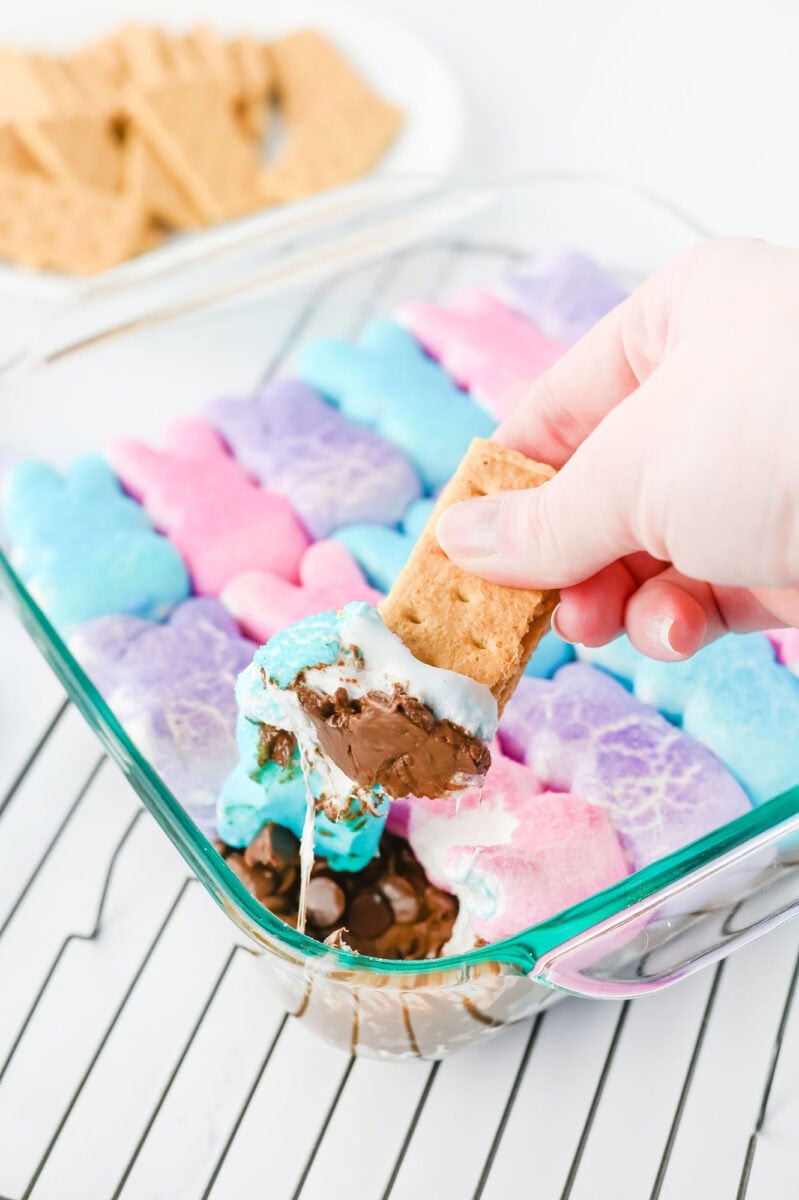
[
  {"x": 275, "y": 745},
  {"x": 395, "y": 741}
]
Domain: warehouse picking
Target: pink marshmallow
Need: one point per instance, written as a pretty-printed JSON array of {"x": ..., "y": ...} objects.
[
  {"x": 264, "y": 603},
  {"x": 220, "y": 521},
  {"x": 564, "y": 850},
  {"x": 487, "y": 348},
  {"x": 514, "y": 856},
  {"x": 786, "y": 644}
]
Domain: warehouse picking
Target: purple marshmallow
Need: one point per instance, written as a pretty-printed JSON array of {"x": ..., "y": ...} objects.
[
  {"x": 563, "y": 296},
  {"x": 334, "y": 471},
  {"x": 172, "y": 688},
  {"x": 582, "y": 732}
]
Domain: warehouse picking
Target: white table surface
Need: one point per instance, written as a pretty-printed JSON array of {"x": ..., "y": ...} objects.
[{"x": 154, "y": 1065}]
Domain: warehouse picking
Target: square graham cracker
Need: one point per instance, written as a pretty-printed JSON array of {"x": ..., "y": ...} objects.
[
  {"x": 337, "y": 126},
  {"x": 192, "y": 130},
  {"x": 46, "y": 223},
  {"x": 454, "y": 620}
]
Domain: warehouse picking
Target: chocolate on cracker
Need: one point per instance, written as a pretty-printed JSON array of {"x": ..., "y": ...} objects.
[{"x": 453, "y": 620}]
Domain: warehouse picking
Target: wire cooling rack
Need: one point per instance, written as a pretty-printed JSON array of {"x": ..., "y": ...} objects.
[{"x": 142, "y": 1057}]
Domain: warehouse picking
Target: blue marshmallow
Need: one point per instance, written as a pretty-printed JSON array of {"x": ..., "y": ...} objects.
[
  {"x": 388, "y": 383},
  {"x": 549, "y": 656},
  {"x": 747, "y": 711},
  {"x": 254, "y": 794},
  {"x": 84, "y": 548},
  {"x": 381, "y": 553}
]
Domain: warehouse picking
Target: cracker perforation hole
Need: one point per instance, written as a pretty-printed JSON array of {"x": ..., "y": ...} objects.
[
  {"x": 414, "y": 618},
  {"x": 478, "y": 643},
  {"x": 464, "y": 599}
]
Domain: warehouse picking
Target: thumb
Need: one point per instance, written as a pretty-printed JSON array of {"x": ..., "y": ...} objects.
[{"x": 567, "y": 529}]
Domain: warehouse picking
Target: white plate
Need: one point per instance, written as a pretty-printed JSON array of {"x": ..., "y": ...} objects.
[{"x": 401, "y": 68}]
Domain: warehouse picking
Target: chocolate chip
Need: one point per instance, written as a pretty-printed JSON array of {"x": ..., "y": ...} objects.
[
  {"x": 326, "y": 901},
  {"x": 260, "y": 881},
  {"x": 274, "y": 846},
  {"x": 275, "y": 745},
  {"x": 369, "y": 914},
  {"x": 402, "y": 897},
  {"x": 362, "y": 918},
  {"x": 287, "y": 879}
]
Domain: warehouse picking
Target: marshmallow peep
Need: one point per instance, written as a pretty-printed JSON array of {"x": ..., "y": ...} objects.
[
  {"x": 172, "y": 687},
  {"x": 583, "y": 732},
  {"x": 485, "y": 346},
  {"x": 382, "y": 553},
  {"x": 564, "y": 296},
  {"x": 85, "y": 549},
  {"x": 733, "y": 696},
  {"x": 264, "y": 603},
  {"x": 389, "y": 384},
  {"x": 220, "y": 521},
  {"x": 333, "y": 470},
  {"x": 512, "y": 854},
  {"x": 786, "y": 646}
]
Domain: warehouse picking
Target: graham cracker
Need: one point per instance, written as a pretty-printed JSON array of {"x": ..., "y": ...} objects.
[
  {"x": 76, "y": 141},
  {"x": 243, "y": 65},
  {"x": 185, "y": 63},
  {"x": 143, "y": 58},
  {"x": 14, "y": 155},
  {"x": 152, "y": 236},
  {"x": 454, "y": 620},
  {"x": 310, "y": 73},
  {"x": 66, "y": 96},
  {"x": 23, "y": 96},
  {"x": 193, "y": 132},
  {"x": 330, "y": 147},
  {"x": 213, "y": 53},
  {"x": 96, "y": 72},
  {"x": 253, "y": 69},
  {"x": 65, "y": 227},
  {"x": 85, "y": 149},
  {"x": 158, "y": 194},
  {"x": 337, "y": 126}
]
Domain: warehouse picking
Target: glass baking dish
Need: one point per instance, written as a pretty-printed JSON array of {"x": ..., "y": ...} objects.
[{"x": 126, "y": 359}]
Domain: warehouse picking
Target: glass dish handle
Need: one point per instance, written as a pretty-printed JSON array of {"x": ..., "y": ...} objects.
[{"x": 673, "y": 931}]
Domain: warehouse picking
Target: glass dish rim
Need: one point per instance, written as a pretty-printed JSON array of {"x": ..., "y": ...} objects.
[{"x": 523, "y": 949}]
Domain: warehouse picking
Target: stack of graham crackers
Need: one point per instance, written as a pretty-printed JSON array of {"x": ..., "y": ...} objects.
[{"x": 106, "y": 150}]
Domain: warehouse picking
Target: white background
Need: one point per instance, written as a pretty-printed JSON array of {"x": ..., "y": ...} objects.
[{"x": 697, "y": 99}]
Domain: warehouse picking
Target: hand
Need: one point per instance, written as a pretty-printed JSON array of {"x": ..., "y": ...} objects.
[{"x": 675, "y": 425}]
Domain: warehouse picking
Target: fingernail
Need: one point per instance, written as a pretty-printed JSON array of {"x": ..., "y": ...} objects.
[
  {"x": 470, "y": 529},
  {"x": 657, "y": 630},
  {"x": 553, "y": 621}
]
